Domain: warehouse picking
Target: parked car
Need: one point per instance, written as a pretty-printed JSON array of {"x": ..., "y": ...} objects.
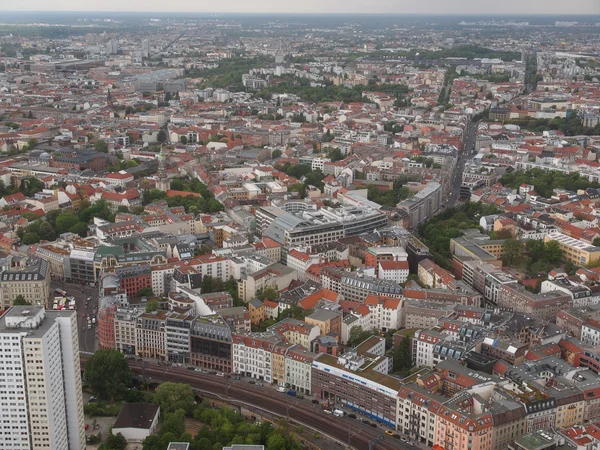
[
  {"x": 191, "y": 368},
  {"x": 252, "y": 382},
  {"x": 365, "y": 421},
  {"x": 198, "y": 369},
  {"x": 92, "y": 400},
  {"x": 404, "y": 439},
  {"x": 352, "y": 416},
  {"x": 220, "y": 374},
  {"x": 396, "y": 436},
  {"x": 300, "y": 396},
  {"x": 315, "y": 401},
  {"x": 389, "y": 433},
  {"x": 327, "y": 411},
  {"x": 281, "y": 389},
  {"x": 373, "y": 425}
]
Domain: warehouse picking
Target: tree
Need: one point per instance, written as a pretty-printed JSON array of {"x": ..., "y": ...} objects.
[
  {"x": 30, "y": 238},
  {"x": 161, "y": 136},
  {"x": 358, "y": 335},
  {"x": 80, "y": 228},
  {"x": 65, "y": 222},
  {"x": 276, "y": 154},
  {"x": 46, "y": 232},
  {"x": 107, "y": 374},
  {"x": 174, "y": 422},
  {"x": 554, "y": 252},
  {"x": 152, "y": 306},
  {"x": 336, "y": 155},
  {"x": 513, "y": 251},
  {"x": 269, "y": 292},
  {"x": 145, "y": 292},
  {"x": 403, "y": 354},
  {"x": 175, "y": 396},
  {"x": 20, "y": 300},
  {"x": 114, "y": 442},
  {"x": 183, "y": 139},
  {"x": 207, "y": 284},
  {"x": 101, "y": 146}
]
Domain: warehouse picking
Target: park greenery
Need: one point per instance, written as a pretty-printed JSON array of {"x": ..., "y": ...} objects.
[
  {"x": 573, "y": 126},
  {"x": 330, "y": 92},
  {"x": 57, "y": 222},
  {"x": 306, "y": 175},
  {"x": 437, "y": 232},
  {"x": 403, "y": 354},
  {"x": 229, "y": 72},
  {"x": 546, "y": 181},
  {"x": 204, "y": 203},
  {"x": 107, "y": 374},
  {"x": 536, "y": 258}
]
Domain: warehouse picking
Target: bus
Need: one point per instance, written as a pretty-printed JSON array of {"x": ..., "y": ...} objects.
[{"x": 60, "y": 292}]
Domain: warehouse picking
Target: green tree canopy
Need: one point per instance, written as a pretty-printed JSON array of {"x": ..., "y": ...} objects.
[
  {"x": 20, "y": 300},
  {"x": 107, "y": 374},
  {"x": 175, "y": 396}
]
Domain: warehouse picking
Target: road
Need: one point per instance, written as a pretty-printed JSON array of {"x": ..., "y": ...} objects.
[
  {"x": 351, "y": 432},
  {"x": 87, "y": 337}
]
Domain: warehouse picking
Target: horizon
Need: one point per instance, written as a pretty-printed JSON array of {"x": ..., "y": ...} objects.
[{"x": 313, "y": 7}]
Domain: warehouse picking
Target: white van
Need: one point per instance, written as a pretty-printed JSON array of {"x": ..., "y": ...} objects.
[{"x": 338, "y": 413}]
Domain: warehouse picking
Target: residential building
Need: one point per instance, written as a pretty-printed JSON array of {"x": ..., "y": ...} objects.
[
  {"x": 574, "y": 250},
  {"x": 211, "y": 344},
  {"x": 42, "y": 396},
  {"x": 32, "y": 281}
]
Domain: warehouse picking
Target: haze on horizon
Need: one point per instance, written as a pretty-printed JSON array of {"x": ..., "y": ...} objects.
[{"x": 506, "y": 7}]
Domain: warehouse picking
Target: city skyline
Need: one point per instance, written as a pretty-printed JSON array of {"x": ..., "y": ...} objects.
[{"x": 511, "y": 7}]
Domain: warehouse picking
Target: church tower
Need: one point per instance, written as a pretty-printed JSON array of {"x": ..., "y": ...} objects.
[{"x": 162, "y": 182}]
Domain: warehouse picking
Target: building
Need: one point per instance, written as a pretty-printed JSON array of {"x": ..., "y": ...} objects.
[
  {"x": 312, "y": 227},
  {"x": 211, "y": 344},
  {"x": 574, "y": 250},
  {"x": 137, "y": 421},
  {"x": 358, "y": 287},
  {"x": 150, "y": 340},
  {"x": 541, "y": 306},
  {"x": 134, "y": 278},
  {"x": 328, "y": 321},
  {"x": 276, "y": 275},
  {"x": 423, "y": 205},
  {"x": 358, "y": 380},
  {"x": 31, "y": 281},
  {"x": 42, "y": 403}
]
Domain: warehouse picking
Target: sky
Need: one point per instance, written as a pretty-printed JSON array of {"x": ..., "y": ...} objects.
[{"x": 315, "y": 6}]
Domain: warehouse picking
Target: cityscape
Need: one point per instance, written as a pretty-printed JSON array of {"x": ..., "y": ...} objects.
[{"x": 285, "y": 231}]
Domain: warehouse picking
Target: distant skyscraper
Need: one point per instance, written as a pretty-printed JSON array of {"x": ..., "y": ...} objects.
[
  {"x": 145, "y": 48},
  {"x": 40, "y": 380},
  {"x": 112, "y": 48}
]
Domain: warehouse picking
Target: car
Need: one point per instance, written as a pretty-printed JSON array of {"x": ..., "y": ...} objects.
[
  {"x": 131, "y": 358},
  {"x": 365, "y": 421},
  {"x": 281, "y": 389},
  {"x": 396, "y": 436},
  {"x": 197, "y": 369},
  {"x": 327, "y": 411},
  {"x": 411, "y": 443},
  {"x": 220, "y": 374},
  {"x": 352, "y": 416},
  {"x": 315, "y": 401},
  {"x": 92, "y": 400},
  {"x": 404, "y": 439},
  {"x": 389, "y": 432},
  {"x": 89, "y": 326},
  {"x": 82, "y": 314},
  {"x": 300, "y": 397},
  {"x": 252, "y": 382},
  {"x": 87, "y": 425},
  {"x": 191, "y": 368},
  {"x": 373, "y": 425}
]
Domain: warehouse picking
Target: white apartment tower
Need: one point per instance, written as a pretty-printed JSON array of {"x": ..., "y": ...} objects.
[{"x": 40, "y": 380}]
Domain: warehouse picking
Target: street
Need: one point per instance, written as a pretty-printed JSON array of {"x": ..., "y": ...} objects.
[{"x": 87, "y": 337}]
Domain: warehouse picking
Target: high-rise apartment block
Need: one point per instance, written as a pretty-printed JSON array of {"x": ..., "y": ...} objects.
[{"x": 40, "y": 380}]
